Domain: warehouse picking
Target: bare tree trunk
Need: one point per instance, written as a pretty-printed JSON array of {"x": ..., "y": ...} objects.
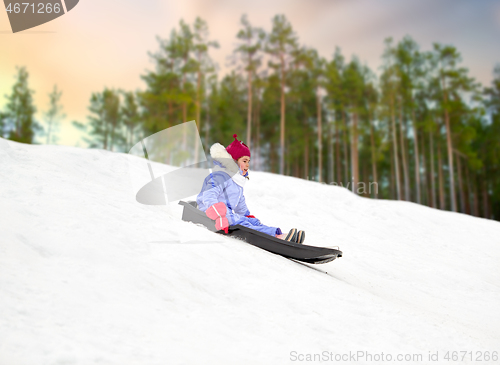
[
  {"x": 282, "y": 117},
  {"x": 460, "y": 185},
  {"x": 416, "y": 153},
  {"x": 450, "y": 163},
  {"x": 425, "y": 180},
  {"x": 184, "y": 104},
  {"x": 198, "y": 100},
  {"x": 337, "y": 154},
  {"x": 468, "y": 205},
  {"x": 112, "y": 138},
  {"x": 395, "y": 147},
  {"x": 433, "y": 172},
  {"x": 184, "y": 111},
  {"x": 311, "y": 162},
  {"x": 365, "y": 169},
  {"x": 442, "y": 204},
  {"x": 273, "y": 164},
  {"x": 128, "y": 137},
  {"x": 169, "y": 113},
  {"x": 198, "y": 115},
  {"x": 50, "y": 127},
  {"x": 18, "y": 121},
  {"x": 306, "y": 159},
  {"x": 477, "y": 207},
  {"x": 320, "y": 132},
  {"x": 258, "y": 134},
  {"x": 331, "y": 167},
  {"x": 450, "y": 148},
  {"x": 374, "y": 162},
  {"x": 207, "y": 128},
  {"x": 476, "y": 195},
  {"x": 105, "y": 130},
  {"x": 346, "y": 153},
  {"x": 258, "y": 137},
  {"x": 249, "y": 111},
  {"x": 488, "y": 201},
  {"x": 485, "y": 198},
  {"x": 393, "y": 193},
  {"x": 402, "y": 134},
  {"x": 354, "y": 152}
]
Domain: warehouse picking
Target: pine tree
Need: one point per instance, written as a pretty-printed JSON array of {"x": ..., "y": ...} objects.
[
  {"x": 452, "y": 82},
  {"x": 19, "y": 119},
  {"x": 53, "y": 115},
  {"x": 131, "y": 118},
  {"x": 410, "y": 64},
  {"x": 282, "y": 42},
  {"x": 336, "y": 100},
  {"x": 354, "y": 86},
  {"x": 490, "y": 142},
  {"x": 251, "y": 43},
  {"x": 203, "y": 64},
  {"x": 371, "y": 100},
  {"x": 3, "y": 124},
  {"x": 105, "y": 124},
  {"x": 228, "y": 108},
  {"x": 316, "y": 67},
  {"x": 389, "y": 85}
]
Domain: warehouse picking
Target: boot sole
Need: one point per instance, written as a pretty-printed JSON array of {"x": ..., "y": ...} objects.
[{"x": 291, "y": 236}]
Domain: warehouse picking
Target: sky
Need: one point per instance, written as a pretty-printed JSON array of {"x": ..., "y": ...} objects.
[{"x": 106, "y": 43}]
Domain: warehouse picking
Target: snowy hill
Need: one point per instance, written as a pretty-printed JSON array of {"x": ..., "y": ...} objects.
[{"x": 89, "y": 276}]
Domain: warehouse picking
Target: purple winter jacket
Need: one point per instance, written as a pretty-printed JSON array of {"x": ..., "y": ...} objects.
[{"x": 225, "y": 184}]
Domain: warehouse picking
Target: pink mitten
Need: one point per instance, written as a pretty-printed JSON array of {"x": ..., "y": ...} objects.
[
  {"x": 222, "y": 223},
  {"x": 217, "y": 212}
]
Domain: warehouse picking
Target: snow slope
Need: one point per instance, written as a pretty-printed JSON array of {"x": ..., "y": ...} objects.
[{"x": 89, "y": 276}]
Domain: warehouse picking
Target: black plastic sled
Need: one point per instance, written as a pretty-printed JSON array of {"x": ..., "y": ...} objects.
[{"x": 291, "y": 250}]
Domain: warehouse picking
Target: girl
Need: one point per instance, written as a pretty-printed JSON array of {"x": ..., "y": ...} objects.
[{"x": 221, "y": 196}]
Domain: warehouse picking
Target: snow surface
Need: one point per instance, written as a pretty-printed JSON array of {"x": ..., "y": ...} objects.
[{"x": 89, "y": 276}]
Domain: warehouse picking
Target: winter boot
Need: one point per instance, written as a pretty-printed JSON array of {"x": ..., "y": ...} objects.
[
  {"x": 292, "y": 235},
  {"x": 301, "y": 236}
]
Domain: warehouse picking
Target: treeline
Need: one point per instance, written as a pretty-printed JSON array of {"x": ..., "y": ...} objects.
[
  {"x": 17, "y": 119},
  {"x": 423, "y": 130}
]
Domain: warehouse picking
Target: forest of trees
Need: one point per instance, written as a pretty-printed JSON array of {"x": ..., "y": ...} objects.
[{"x": 421, "y": 129}]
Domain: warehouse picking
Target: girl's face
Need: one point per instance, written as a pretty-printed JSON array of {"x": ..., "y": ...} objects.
[{"x": 244, "y": 164}]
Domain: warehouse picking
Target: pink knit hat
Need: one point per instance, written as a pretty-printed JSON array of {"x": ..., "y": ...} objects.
[{"x": 238, "y": 149}]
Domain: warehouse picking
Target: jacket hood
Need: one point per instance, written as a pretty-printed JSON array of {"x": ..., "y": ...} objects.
[
  {"x": 224, "y": 162},
  {"x": 224, "y": 159}
]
